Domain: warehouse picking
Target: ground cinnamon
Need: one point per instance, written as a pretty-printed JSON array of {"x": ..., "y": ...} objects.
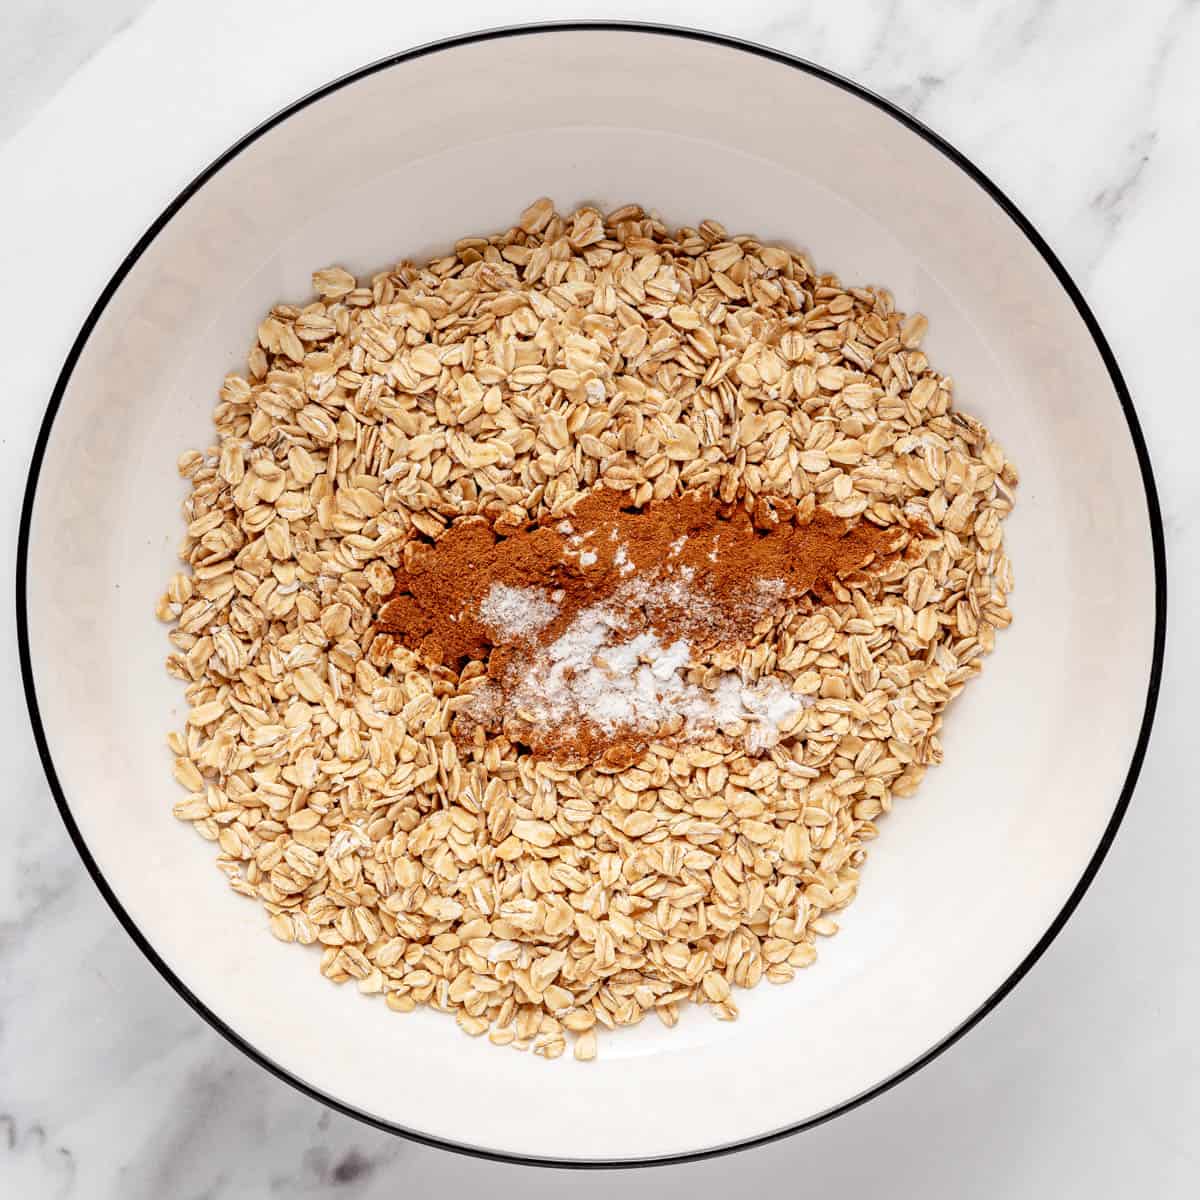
[
  {"x": 689, "y": 569},
  {"x": 435, "y": 605}
]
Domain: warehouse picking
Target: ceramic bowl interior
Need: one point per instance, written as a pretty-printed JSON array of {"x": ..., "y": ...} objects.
[{"x": 968, "y": 878}]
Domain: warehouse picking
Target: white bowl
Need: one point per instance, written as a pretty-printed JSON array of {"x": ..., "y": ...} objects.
[{"x": 970, "y": 879}]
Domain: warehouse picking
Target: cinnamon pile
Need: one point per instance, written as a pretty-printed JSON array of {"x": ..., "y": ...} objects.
[
  {"x": 435, "y": 605},
  {"x": 609, "y": 587}
]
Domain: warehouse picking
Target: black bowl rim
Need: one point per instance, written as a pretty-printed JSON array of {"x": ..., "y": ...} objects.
[{"x": 1023, "y": 224}]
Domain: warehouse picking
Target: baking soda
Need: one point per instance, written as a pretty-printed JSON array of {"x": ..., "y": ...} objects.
[
  {"x": 516, "y": 612},
  {"x": 601, "y": 672}
]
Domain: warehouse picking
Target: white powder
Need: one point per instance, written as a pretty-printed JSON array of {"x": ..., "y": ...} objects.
[
  {"x": 678, "y": 544},
  {"x": 586, "y": 557},
  {"x": 516, "y": 612},
  {"x": 621, "y": 559},
  {"x": 659, "y": 596},
  {"x": 768, "y": 593},
  {"x": 770, "y": 590},
  {"x": 599, "y": 673}
]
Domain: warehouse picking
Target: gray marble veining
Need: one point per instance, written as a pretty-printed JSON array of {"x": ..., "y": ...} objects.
[{"x": 44, "y": 42}]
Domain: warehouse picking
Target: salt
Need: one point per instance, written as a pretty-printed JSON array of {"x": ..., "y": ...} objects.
[
  {"x": 596, "y": 671},
  {"x": 516, "y": 612},
  {"x": 671, "y": 661}
]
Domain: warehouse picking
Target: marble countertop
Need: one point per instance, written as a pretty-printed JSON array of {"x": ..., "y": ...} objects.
[{"x": 1086, "y": 1080}]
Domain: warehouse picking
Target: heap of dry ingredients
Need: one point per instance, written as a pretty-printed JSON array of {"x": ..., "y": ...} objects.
[
  {"x": 586, "y": 624},
  {"x": 585, "y": 779}
]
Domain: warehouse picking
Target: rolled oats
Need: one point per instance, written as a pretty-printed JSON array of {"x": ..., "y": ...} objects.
[{"x": 538, "y": 900}]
